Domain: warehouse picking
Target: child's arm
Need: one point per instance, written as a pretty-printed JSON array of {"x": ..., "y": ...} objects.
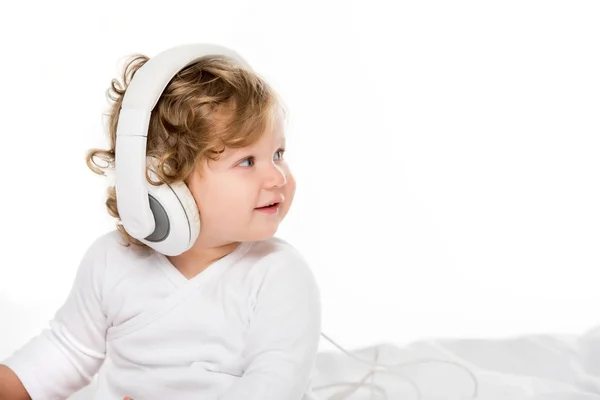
[
  {"x": 283, "y": 335},
  {"x": 63, "y": 359},
  {"x": 11, "y": 387}
]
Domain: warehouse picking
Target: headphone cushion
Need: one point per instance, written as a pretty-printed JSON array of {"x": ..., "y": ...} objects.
[
  {"x": 191, "y": 209},
  {"x": 177, "y": 220}
]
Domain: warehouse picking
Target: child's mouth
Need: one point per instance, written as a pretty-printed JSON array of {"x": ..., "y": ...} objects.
[{"x": 269, "y": 209}]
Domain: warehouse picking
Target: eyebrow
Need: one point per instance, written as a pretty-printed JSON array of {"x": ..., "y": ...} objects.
[{"x": 235, "y": 152}]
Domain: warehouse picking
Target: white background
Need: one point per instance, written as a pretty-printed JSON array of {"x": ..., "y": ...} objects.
[{"x": 447, "y": 154}]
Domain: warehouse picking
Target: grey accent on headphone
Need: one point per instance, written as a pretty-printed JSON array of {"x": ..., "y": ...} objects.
[{"x": 161, "y": 221}]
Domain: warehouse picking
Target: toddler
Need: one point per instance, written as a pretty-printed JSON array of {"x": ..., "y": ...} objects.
[{"x": 210, "y": 306}]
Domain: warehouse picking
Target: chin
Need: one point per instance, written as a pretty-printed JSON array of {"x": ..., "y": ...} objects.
[{"x": 263, "y": 234}]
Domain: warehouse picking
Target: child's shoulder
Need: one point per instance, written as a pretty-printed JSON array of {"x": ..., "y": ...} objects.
[
  {"x": 275, "y": 253},
  {"x": 274, "y": 247},
  {"x": 113, "y": 244},
  {"x": 108, "y": 238},
  {"x": 279, "y": 269}
]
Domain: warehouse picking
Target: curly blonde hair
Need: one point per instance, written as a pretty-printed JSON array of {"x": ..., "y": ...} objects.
[{"x": 208, "y": 106}]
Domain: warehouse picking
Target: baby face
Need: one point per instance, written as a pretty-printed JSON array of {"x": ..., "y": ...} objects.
[{"x": 246, "y": 193}]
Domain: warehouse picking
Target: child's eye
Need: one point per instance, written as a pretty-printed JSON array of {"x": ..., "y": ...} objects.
[
  {"x": 250, "y": 161},
  {"x": 280, "y": 152},
  {"x": 247, "y": 162}
]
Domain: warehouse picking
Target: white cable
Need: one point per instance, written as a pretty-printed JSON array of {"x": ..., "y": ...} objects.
[{"x": 378, "y": 367}]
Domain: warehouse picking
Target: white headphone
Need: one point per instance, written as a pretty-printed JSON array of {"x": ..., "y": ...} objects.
[{"x": 163, "y": 217}]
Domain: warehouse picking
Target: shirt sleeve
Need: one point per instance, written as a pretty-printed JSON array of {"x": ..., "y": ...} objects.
[
  {"x": 65, "y": 357},
  {"x": 283, "y": 334}
]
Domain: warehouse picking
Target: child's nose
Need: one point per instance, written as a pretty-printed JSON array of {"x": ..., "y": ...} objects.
[{"x": 276, "y": 176}]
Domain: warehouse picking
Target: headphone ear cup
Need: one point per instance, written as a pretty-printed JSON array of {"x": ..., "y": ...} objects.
[
  {"x": 190, "y": 208},
  {"x": 176, "y": 216}
]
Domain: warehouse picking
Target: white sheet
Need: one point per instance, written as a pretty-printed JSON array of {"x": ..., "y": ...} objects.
[{"x": 541, "y": 367}]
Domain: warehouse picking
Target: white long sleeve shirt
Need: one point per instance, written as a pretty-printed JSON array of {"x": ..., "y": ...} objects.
[{"x": 245, "y": 328}]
